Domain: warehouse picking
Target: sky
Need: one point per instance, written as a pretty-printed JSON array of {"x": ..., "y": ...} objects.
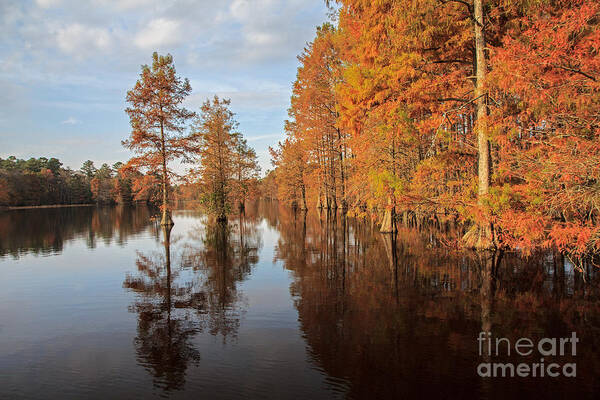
[{"x": 66, "y": 65}]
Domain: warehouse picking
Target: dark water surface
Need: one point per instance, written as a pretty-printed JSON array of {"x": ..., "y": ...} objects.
[{"x": 102, "y": 303}]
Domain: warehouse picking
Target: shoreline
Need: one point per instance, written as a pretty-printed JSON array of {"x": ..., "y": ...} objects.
[{"x": 8, "y": 208}]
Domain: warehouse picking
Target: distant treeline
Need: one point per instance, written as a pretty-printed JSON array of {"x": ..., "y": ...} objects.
[{"x": 44, "y": 181}]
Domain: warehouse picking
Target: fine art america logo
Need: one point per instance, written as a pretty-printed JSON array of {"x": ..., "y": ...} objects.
[{"x": 490, "y": 347}]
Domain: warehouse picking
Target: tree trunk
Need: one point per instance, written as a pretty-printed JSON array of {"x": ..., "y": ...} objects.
[
  {"x": 342, "y": 177},
  {"x": 483, "y": 144},
  {"x": 166, "y": 214},
  {"x": 242, "y": 200},
  {"x": 304, "y": 206},
  {"x": 388, "y": 224},
  {"x": 320, "y": 200},
  {"x": 332, "y": 172},
  {"x": 221, "y": 214},
  {"x": 481, "y": 235}
]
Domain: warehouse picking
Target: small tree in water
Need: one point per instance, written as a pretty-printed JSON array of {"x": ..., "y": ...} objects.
[
  {"x": 216, "y": 131},
  {"x": 158, "y": 123}
]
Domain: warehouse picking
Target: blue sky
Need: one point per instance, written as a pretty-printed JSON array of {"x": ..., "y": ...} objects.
[{"x": 66, "y": 65}]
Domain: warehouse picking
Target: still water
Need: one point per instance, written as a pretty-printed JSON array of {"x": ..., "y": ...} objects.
[{"x": 104, "y": 303}]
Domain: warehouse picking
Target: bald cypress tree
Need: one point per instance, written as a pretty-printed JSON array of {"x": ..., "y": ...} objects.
[
  {"x": 216, "y": 129},
  {"x": 157, "y": 120}
]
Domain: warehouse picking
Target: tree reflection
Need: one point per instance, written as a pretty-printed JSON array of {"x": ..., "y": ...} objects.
[
  {"x": 227, "y": 252},
  {"x": 190, "y": 288},
  {"x": 165, "y": 324},
  {"x": 397, "y": 315},
  {"x": 45, "y": 231}
]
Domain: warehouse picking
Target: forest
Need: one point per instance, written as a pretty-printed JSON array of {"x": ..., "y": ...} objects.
[
  {"x": 484, "y": 114},
  {"x": 481, "y": 114},
  {"x": 42, "y": 181}
]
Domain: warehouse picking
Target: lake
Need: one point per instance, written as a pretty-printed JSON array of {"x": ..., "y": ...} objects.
[{"x": 104, "y": 303}]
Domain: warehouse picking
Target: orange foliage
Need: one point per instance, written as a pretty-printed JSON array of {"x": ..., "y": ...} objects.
[{"x": 397, "y": 82}]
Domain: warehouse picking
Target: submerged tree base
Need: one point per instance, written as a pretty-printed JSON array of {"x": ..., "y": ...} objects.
[
  {"x": 480, "y": 237},
  {"x": 166, "y": 220},
  {"x": 388, "y": 224}
]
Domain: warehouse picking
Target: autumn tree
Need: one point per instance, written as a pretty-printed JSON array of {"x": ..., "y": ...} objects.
[
  {"x": 313, "y": 117},
  {"x": 158, "y": 119},
  {"x": 146, "y": 188},
  {"x": 415, "y": 75},
  {"x": 290, "y": 159},
  {"x": 481, "y": 235},
  {"x": 216, "y": 131},
  {"x": 545, "y": 81},
  {"x": 480, "y": 112},
  {"x": 123, "y": 182},
  {"x": 246, "y": 171},
  {"x": 268, "y": 185}
]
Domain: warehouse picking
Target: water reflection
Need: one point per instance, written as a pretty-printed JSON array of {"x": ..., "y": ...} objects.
[
  {"x": 225, "y": 257},
  {"x": 333, "y": 309},
  {"x": 190, "y": 288},
  {"x": 45, "y": 231},
  {"x": 165, "y": 323},
  {"x": 397, "y": 315}
]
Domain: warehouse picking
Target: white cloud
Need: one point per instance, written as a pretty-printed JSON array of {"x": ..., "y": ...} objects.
[
  {"x": 74, "y": 57},
  {"x": 270, "y": 29},
  {"x": 47, "y": 3},
  {"x": 78, "y": 39},
  {"x": 159, "y": 32},
  {"x": 240, "y": 9},
  {"x": 262, "y": 38},
  {"x": 70, "y": 121},
  {"x": 122, "y": 4}
]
